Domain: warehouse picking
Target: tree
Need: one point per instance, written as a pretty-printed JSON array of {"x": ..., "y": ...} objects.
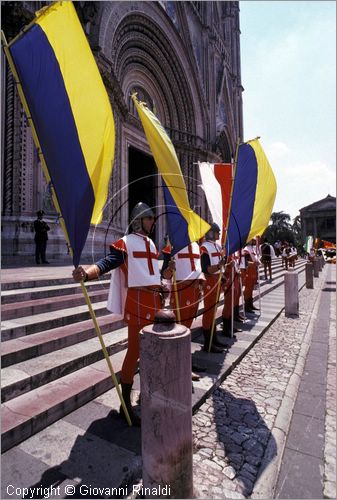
[
  {"x": 297, "y": 230},
  {"x": 280, "y": 220},
  {"x": 280, "y": 228}
]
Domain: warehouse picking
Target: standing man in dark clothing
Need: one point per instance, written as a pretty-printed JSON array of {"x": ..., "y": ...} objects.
[
  {"x": 267, "y": 254},
  {"x": 41, "y": 229}
]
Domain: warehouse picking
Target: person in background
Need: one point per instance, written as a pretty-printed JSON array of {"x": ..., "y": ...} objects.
[
  {"x": 267, "y": 254},
  {"x": 292, "y": 256},
  {"x": 285, "y": 250},
  {"x": 41, "y": 229},
  {"x": 277, "y": 246}
]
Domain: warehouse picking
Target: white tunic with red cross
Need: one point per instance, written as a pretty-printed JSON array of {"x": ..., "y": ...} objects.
[
  {"x": 143, "y": 268},
  {"x": 187, "y": 260},
  {"x": 214, "y": 252},
  {"x": 142, "y": 261}
]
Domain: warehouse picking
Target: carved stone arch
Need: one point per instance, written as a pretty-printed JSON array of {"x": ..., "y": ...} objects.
[
  {"x": 147, "y": 74},
  {"x": 217, "y": 15},
  {"x": 113, "y": 13},
  {"x": 138, "y": 80},
  {"x": 139, "y": 43},
  {"x": 223, "y": 146}
]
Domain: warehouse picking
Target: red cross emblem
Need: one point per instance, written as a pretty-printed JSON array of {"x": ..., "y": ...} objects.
[
  {"x": 146, "y": 255},
  {"x": 217, "y": 253},
  {"x": 190, "y": 256}
]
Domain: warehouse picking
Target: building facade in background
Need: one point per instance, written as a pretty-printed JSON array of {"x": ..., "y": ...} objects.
[
  {"x": 319, "y": 219},
  {"x": 183, "y": 60}
]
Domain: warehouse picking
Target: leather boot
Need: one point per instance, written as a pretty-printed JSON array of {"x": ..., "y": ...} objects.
[
  {"x": 249, "y": 306},
  {"x": 237, "y": 315},
  {"x": 215, "y": 344},
  {"x": 227, "y": 327},
  {"x": 253, "y": 307},
  {"x": 126, "y": 393}
]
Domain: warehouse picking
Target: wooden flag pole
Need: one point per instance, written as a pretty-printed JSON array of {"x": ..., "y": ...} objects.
[
  {"x": 218, "y": 291},
  {"x": 258, "y": 270},
  {"x": 232, "y": 301},
  {"x": 224, "y": 245},
  {"x": 176, "y": 295},
  {"x": 57, "y": 206},
  {"x": 242, "y": 297}
]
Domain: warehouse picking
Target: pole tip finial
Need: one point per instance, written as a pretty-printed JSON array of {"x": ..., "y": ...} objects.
[{"x": 164, "y": 316}]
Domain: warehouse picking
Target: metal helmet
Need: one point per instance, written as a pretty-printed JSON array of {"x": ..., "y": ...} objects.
[
  {"x": 210, "y": 233},
  {"x": 140, "y": 211}
]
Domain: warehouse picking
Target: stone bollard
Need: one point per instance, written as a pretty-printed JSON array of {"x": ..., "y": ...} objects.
[
  {"x": 166, "y": 408},
  {"x": 316, "y": 268},
  {"x": 291, "y": 300},
  {"x": 320, "y": 264},
  {"x": 309, "y": 275}
]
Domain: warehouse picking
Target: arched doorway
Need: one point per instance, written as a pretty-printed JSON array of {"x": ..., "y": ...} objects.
[{"x": 142, "y": 180}]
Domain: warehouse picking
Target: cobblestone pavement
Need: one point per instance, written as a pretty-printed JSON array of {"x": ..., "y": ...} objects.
[
  {"x": 330, "y": 420},
  {"x": 240, "y": 429}
]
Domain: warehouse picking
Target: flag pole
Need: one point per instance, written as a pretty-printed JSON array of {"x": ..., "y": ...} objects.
[
  {"x": 232, "y": 303},
  {"x": 62, "y": 223},
  {"x": 224, "y": 244},
  {"x": 242, "y": 297},
  {"x": 258, "y": 269},
  {"x": 176, "y": 296}
]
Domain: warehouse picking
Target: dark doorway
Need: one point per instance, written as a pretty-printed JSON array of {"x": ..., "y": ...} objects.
[{"x": 143, "y": 175}]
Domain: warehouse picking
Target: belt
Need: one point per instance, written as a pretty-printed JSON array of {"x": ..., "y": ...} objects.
[{"x": 147, "y": 289}]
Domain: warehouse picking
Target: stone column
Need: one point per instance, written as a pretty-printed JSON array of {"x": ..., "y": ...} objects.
[
  {"x": 316, "y": 267},
  {"x": 166, "y": 407},
  {"x": 291, "y": 293},
  {"x": 309, "y": 275}
]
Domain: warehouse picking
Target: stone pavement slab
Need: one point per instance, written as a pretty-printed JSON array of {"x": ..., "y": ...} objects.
[
  {"x": 305, "y": 457},
  {"x": 301, "y": 475},
  {"x": 307, "y": 435}
]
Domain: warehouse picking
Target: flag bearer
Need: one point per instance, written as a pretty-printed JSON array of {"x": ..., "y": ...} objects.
[
  {"x": 211, "y": 261},
  {"x": 135, "y": 288},
  {"x": 231, "y": 297},
  {"x": 252, "y": 270},
  {"x": 189, "y": 279}
]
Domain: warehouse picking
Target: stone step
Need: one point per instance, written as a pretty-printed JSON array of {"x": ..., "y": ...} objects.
[
  {"x": 38, "y": 344},
  {"x": 17, "y": 285},
  {"x": 28, "y": 325},
  {"x": 43, "y": 305},
  {"x": 10, "y": 296},
  {"x": 31, "y": 412},
  {"x": 33, "y": 373},
  {"x": 51, "y": 277}
]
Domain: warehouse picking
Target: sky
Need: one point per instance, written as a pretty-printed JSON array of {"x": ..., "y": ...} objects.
[{"x": 288, "y": 70}]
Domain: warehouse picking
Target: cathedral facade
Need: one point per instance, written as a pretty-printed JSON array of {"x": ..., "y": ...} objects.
[{"x": 183, "y": 60}]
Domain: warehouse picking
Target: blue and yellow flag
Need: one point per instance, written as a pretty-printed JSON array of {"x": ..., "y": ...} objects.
[
  {"x": 253, "y": 196},
  {"x": 184, "y": 225},
  {"x": 71, "y": 112}
]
